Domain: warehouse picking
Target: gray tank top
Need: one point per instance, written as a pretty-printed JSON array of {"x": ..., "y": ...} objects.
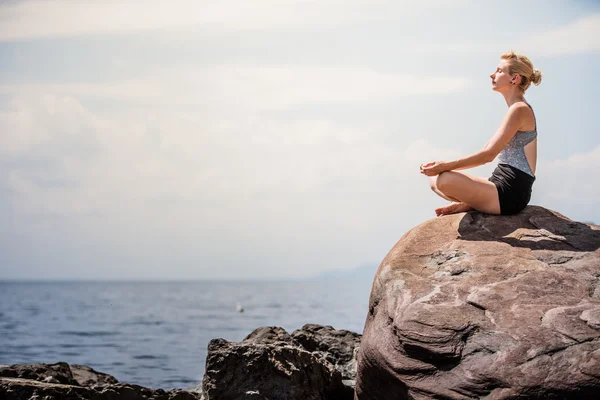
[{"x": 513, "y": 153}]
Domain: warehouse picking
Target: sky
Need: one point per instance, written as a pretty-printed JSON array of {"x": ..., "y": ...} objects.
[{"x": 272, "y": 139}]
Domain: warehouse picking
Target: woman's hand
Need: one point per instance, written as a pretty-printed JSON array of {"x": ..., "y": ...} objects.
[{"x": 434, "y": 168}]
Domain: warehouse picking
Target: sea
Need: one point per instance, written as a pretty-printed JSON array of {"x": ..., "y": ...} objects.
[{"x": 156, "y": 334}]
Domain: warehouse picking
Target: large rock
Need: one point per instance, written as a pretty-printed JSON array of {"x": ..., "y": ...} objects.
[
  {"x": 271, "y": 364},
  {"x": 60, "y": 372},
  {"x": 471, "y": 306},
  {"x": 52, "y": 373},
  {"x": 74, "y": 382}
]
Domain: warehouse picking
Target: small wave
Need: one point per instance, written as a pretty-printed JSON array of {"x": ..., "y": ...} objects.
[
  {"x": 179, "y": 380},
  {"x": 19, "y": 347},
  {"x": 33, "y": 310},
  {"x": 70, "y": 345},
  {"x": 70, "y": 354},
  {"x": 88, "y": 334},
  {"x": 188, "y": 380},
  {"x": 148, "y": 357},
  {"x": 145, "y": 323},
  {"x": 10, "y": 326},
  {"x": 78, "y": 346},
  {"x": 145, "y": 366}
]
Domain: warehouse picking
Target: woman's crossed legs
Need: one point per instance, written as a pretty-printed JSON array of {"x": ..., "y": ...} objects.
[{"x": 467, "y": 192}]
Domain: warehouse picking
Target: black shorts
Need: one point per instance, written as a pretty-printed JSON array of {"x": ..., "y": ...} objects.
[{"x": 514, "y": 188}]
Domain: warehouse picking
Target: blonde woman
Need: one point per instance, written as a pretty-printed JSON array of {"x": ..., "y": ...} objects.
[{"x": 508, "y": 190}]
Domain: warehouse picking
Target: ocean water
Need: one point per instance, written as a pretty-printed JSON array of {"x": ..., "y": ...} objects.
[{"x": 156, "y": 334}]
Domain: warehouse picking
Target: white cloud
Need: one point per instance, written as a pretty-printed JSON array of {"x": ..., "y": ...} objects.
[
  {"x": 50, "y": 18},
  {"x": 174, "y": 179},
  {"x": 577, "y": 37},
  {"x": 258, "y": 87},
  {"x": 146, "y": 153},
  {"x": 221, "y": 149},
  {"x": 580, "y": 36},
  {"x": 578, "y": 161},
  {"x": 32, "y": 121},
  {"x": 570, "y": 185}
]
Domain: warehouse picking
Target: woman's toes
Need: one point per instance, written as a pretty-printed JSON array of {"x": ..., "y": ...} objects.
[
  {"x": 441, "y": 210},
  {"x": 452, "y": 209}
]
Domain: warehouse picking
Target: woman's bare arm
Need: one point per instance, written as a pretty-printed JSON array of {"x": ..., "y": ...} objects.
[
  {"x": 513, "y": 120},
  {"x": 474, "y": 160}
]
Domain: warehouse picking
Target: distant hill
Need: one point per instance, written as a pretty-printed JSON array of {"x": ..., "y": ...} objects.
[{"x": 365, "y": 272}]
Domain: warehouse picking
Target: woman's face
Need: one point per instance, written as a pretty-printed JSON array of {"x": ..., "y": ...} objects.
[{"x": 500, "y": 77}]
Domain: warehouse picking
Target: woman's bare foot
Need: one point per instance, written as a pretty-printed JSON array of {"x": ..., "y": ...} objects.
[{"x": 453, "y": 208}]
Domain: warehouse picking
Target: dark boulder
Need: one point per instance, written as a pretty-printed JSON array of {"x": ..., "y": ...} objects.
[
  {"x": 75, "y": 382},
  {"x": 270, "y": 364},
  {"x": 53, "y": 373}
]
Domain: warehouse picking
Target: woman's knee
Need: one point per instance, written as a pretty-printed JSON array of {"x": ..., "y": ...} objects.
[
  {"x": 443, "y": 180},
  {"x": 433, "y": 183}
]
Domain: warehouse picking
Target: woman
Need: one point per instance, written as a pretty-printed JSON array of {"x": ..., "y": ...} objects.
[{"x": 508, "y": 190}]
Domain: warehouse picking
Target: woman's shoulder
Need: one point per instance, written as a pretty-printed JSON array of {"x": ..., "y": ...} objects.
[
  {"x": 520, "y": 105},
  {"x": 522, "y": 112}
]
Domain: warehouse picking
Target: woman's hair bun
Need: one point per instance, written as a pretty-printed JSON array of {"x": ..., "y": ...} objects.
[{"x": 536, "y": 78}]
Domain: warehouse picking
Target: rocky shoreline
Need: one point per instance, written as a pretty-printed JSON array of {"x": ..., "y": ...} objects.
[
  {"x": 315, "y": 362},
  {"x": 465, "y": 306}
]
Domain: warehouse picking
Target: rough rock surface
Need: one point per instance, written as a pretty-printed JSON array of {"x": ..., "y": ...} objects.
[
  {"x": 76, "y": 382},
  {"x": 86, "y": 376},
  {"x": 272, "y": 364},
  {"x": 53, "y": 373},
  {"x": 472, "y": 306},
  {"x": 336, "y": 346}
]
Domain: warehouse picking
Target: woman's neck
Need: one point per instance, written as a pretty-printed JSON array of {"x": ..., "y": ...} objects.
[{"x": 514, "y": 97}]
